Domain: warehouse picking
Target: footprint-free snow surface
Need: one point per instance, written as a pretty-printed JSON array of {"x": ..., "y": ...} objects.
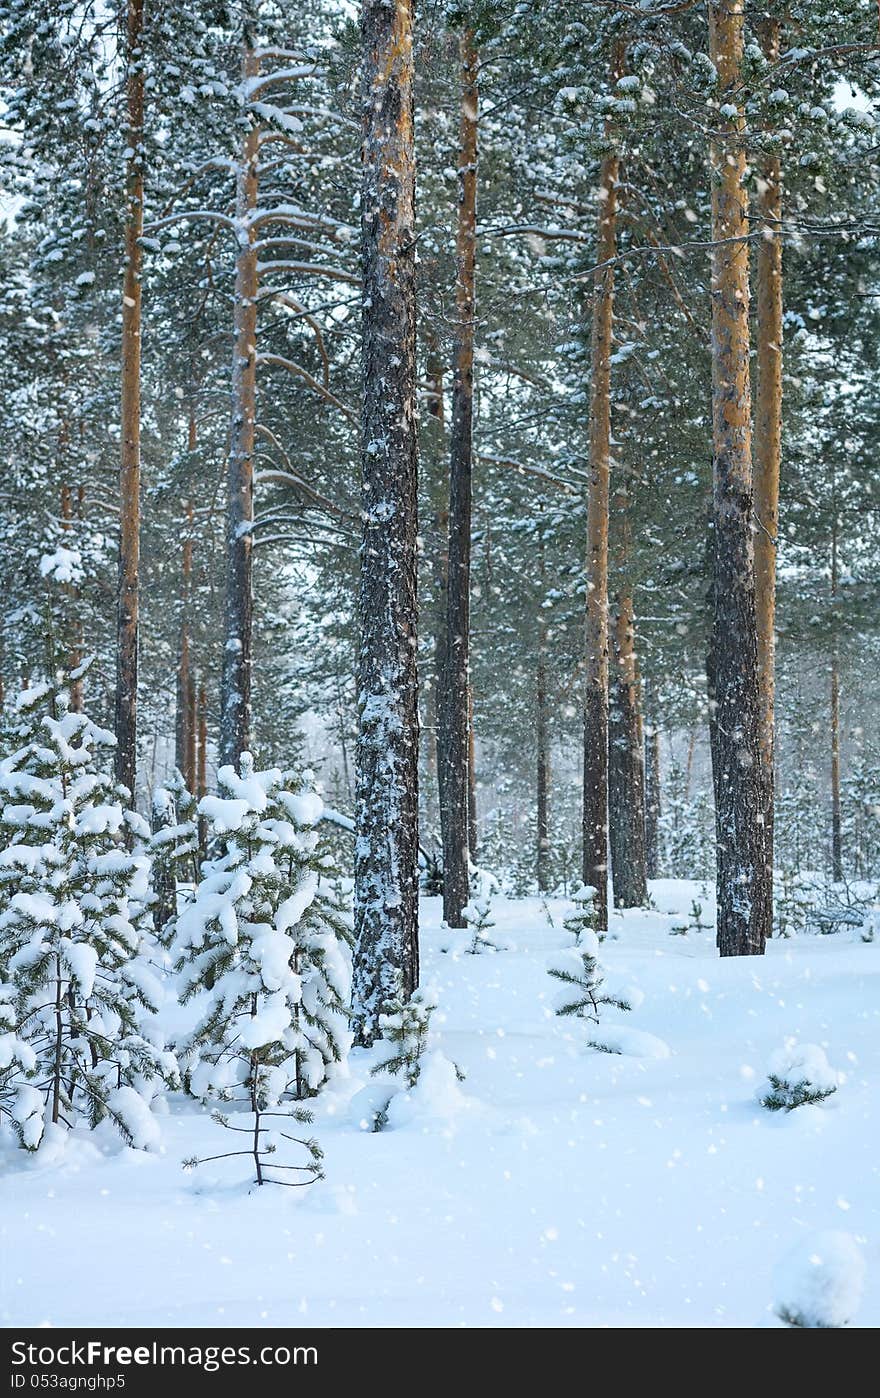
[{"x": 555, "y": 1186}]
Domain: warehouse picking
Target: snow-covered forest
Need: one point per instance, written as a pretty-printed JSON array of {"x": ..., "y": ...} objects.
[{"x": 439, "y": 644}]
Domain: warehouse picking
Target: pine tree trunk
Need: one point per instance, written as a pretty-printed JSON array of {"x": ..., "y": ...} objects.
[
  {"x": 626, "y": 777},
  {"x": 183, "y": 716},
  {"x": 453, "y": 742},
  {"x": 768, "y": 442},
  {"x": 189, "y": 770},
  {"x": 836, "y": 842},
  {"x": 744, "y": 898},
  {"x": 164, "y": 878},
  {"x": 235, "y": 693},
  {"x": 542, "y": 773},
  {"x": 472, "y": 779},
  {"x": 130, "y": 420},
  {"x": 652, "y": 798},
  {"x": 595, "y": 808},
  {"x": 434, "y": 459},
  {"x": 386, "y": 852},
  {"x": 201, "y": 786}
]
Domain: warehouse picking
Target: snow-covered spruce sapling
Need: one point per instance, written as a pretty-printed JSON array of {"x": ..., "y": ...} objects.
[
  {"x": 267, "y": 940},
  {"x": 582, "y": 918},
  {"x": 265, "y": 1141},
  {"x": 478, "y": 916},
  {"x": 799, "y": 1075},
  {"x": 405, "y": 1028},
  {"x": 582, "y": 995},
  {"x": 694, "y": 924},
  {"x": 792, "y": 905},
  {"x": 818, "y": 1286},
  {"x": 79, "y": 1041}
]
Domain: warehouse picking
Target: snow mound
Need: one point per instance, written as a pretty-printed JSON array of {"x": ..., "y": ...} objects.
[
  {"x": 436, "y": 1097},
  {"x": 633, "y": 1043},
  {"x": 798, "y": 1075},
  {"x": 818, "y": 1285}
]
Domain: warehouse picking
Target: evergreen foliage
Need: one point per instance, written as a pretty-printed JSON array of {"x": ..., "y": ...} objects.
[{"x": 77, "y": 993}]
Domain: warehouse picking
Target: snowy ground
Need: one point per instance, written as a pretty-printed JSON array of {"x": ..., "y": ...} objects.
[{"x": 569, "y": 1187}]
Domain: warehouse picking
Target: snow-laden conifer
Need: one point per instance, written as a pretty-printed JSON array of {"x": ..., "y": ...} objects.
[
  {"x": 77, "y": 1040},
  {"x": 582, "y": 994},
  {"x": 267, "y": 941},
  {"x": 799, "y": 1075}
]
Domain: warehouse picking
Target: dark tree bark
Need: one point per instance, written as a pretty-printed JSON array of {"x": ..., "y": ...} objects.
[
  {"x": 164, "y": 882},
  {"x": 542, "y": 741},
  {"x": 626, "y": 778},
  {"x": 386, "y": 852},
  {"x": 235, "y": 693},
  {"x": 434, "y": 466},
  {"x": 768, "y": 441},
  {"x": 184, "y": 716},
  {"x": 472, "y": 779},
  {"x": 836, "y": 841},
  {"x": 652, "y": 798},
  {"x": 595, "y": 808},
  {"x": 542, "y": 771},
  {"x": 201, "y": 786},
  {"x": 130, "y": 419},
  {"x": 626, "y": 773},
  {"x": 454, "y": 735},
  {"x": 743, "y": 894}
]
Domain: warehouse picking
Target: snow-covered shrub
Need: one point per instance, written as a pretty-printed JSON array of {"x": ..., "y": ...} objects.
[
  {"x": 582, "y": 995},
  {"x": 582, "y": 918},
  {"x": 819, "y": 1284},
  {"x": 694, "y": 923},
  {"x": 267, "y": 941},
  {"x": 77, "y": 1040},
  {"x": 478, "y": 916},
  {"x": 405, "y": 1028},
  {"x": 404, "y": 1056},
  {"x": 799, "y": 1075},
  {"x": 870, "y": 928},
  {"x": 792, "y": 904}
]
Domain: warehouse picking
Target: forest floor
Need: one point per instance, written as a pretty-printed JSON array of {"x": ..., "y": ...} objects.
[{"x": 556, "y": 1186}]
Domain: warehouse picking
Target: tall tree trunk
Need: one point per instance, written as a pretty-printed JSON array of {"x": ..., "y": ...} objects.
[
  {"x": 768, "y": 443},
  {"x": 542, "y": 743},
  {"x": 235, "y": 693},
  {"x": 184, "y": 716},
  {"x": 472, "y": 779},
  {"x": 652, "y": 798},
  {"x": 542, "y": 772},
  {"x": 626, "y": 777},
  {"x": 130, "y": 421},
  {"x": 386, "y": 853},
  {"x": 434, "y": 462},
  {"x": 744, "y": 898},
  {"x": 190, "y": 755},
  {"x": 453, "y": 697},
  {"x": 626, "y": 773},
  {"x": 836, "y": 843},
  {"x": 595, "y": 808},
  {"x": 201, "y": 786}
]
